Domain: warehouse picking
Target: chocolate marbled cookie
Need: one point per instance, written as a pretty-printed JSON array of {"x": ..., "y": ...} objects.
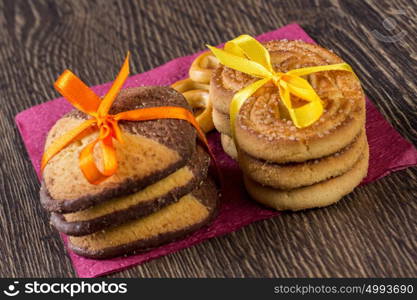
[
  {"x": 151, "y": 151},
  {"x": 172, "y": 222},
  {"x": 142, "y": 203}
]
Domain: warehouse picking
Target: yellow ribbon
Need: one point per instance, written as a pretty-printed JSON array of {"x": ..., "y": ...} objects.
[{"x": 247, "y": 55}]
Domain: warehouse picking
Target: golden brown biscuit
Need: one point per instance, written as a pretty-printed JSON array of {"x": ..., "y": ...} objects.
[
  {"x": 228, "y": 146},
  {"x": 295, "y": 175},
  {"x": 263, "y": 128},
  {"x": 224, "y": 84},
  {"x": 222, "y": 122},
  {"x": 317, "y": 195},
  {"x": 197, "y": 96},
  {"x": 202, "y": 67}
]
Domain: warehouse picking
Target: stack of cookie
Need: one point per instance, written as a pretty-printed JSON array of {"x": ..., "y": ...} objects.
[
  {"x": 286, "y": 167},
  {"x": 160, "y": 192}
]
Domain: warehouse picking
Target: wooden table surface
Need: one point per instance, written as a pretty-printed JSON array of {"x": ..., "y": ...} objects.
[{"x": 371, "y": 232}]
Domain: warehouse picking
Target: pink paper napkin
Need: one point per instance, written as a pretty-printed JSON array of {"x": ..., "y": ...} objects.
[{"x": 389, "y": 152}]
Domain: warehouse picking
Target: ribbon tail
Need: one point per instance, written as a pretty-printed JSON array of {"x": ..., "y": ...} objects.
[
  {"x": 109, "y": 156},
  {"x": 301, "y": 88},
  {"x": 285, "y": 96},
  {"x": 309, "y": 70},
  {"x": 240, "y": 97},
  {"x": 117, "y": 133},
  {"x": 64, "y": 140},
  {"x": 87, "y": 161},
  {"x": 247, "y": 46},
  {"x": 77, "y": 93},
  {"x": 88, "y": 166},
  {"x": 307, "y": 114},
  {"x": 241, "y": 64},
  {"x": 115, "y": 88}
]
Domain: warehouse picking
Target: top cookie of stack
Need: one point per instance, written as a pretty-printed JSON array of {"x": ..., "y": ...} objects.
[
  {"x": 161, "y": 189},
  {"x": 288, "y": 167}
]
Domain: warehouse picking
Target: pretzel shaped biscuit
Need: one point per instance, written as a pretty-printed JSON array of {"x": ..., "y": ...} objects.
[
  {"x": 197, "y": 95},
  {"x": 202, "y": 67}
]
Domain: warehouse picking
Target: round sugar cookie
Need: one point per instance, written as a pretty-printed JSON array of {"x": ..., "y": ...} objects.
[
  {"x": 295, "y": 175},
  {"x": 317, "y": 195}
]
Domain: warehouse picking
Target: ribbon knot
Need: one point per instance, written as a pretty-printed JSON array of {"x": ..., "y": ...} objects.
[
  {"x": 85, "y": 100},
  {"x": 276, "y": 78},
  {"x": 247, "y": 55}
]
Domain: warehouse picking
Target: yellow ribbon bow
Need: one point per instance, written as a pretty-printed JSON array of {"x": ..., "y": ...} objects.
[
  {"x": 247, "y": 55},
  {"x": 85, "y": 100}
]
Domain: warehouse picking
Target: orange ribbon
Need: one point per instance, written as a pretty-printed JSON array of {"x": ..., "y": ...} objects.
[{"x": 85, "y": 100}]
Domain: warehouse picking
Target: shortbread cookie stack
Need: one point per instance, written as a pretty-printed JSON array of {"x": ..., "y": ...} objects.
[
  {"x": 160, "y": 192},
  {"x": 286, "y": 167}
]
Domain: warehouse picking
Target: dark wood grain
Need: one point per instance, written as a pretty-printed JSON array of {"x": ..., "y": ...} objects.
[{"x": 371, "y": 232}]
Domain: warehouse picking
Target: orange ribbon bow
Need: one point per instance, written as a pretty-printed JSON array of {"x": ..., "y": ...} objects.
[{"x": 85, "y": 100}]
